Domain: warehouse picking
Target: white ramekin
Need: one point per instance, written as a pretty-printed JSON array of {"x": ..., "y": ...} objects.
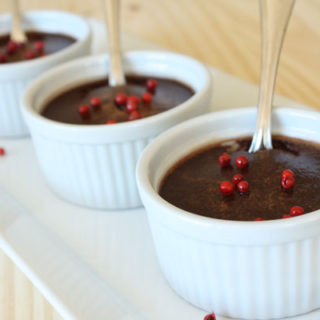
[
  {"x": 14, "y": 77},
  {"x": 245, "y": 270},
  {"x": 94, "y": 165}
]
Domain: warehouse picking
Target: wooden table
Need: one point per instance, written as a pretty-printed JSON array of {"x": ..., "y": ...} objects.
[{"x": 222, "y": 33}]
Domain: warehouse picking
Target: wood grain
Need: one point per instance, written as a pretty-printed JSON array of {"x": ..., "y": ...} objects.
[
  {"x": 19, "y": 299},
  {"x": 222, "y": 33}
]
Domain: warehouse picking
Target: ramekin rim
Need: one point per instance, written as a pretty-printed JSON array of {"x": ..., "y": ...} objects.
[
  {"x": 144, "y": 183},
  {"x": 56, "y": 55},
  {"x": 32, "y": 88}
]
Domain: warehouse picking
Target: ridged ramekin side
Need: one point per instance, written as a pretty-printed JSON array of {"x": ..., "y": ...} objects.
[
  {"x": 11, "y": 122},
  {"x": 14, "y": 77},
  {"x": 101, "y": 176},
  {"x": 249, "y": 282}
]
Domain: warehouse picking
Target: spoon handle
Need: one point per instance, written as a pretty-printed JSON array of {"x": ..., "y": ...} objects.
[
  {"x": 17, "y": 34},
  {"x": 275, "y": 15},
  {"x": 116, "y": 75}
]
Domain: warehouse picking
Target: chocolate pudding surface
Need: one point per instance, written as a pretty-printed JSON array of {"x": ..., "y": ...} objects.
[
  {"x": 193, "y": 183},
  {"x": 52, "y": 43},
  {"x": 64, "y": 107}
]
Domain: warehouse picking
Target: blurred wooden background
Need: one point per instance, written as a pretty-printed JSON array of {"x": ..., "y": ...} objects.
[{"x": 222, "y": 33}]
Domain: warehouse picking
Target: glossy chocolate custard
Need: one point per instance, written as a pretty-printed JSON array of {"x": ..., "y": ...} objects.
[
  {"x": 98, "y": 103},
  {"x": 39, "y": 44},
  {"x": 279, "y": 183}
]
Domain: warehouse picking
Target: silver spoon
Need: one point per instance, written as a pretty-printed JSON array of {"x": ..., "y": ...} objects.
[
  {"x": 116, "y": 74},
  {"x": 17, "y": 34},
  {"x": 275, "y": 15}
]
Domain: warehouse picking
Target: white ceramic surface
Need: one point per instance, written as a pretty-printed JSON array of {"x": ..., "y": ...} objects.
[
  {"x": 92, "y": 264},
  {"x": 94, "y": 165},
  {"x": 247, "y": 270},
  {"x": 14, "y": 77}
]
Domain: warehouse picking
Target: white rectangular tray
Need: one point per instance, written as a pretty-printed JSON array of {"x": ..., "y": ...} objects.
[{"x": 91, "y": 264}]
